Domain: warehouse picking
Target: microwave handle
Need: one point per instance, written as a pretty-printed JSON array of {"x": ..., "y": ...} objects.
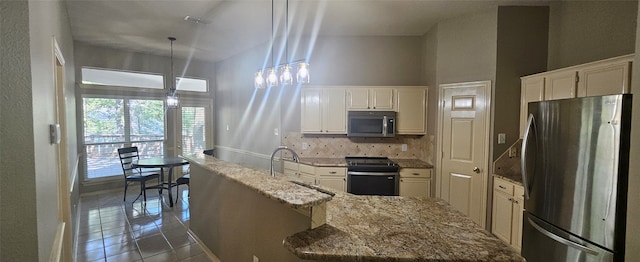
[{"x": 384, "y": 125}]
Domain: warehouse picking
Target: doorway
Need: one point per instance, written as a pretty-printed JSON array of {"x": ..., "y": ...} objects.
[
  {"x": 463, "y": 143},
  {"x": 62, "y": 249}
]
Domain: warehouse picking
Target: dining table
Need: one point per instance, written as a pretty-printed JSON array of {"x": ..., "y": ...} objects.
[{"x": 162, "y": 163}]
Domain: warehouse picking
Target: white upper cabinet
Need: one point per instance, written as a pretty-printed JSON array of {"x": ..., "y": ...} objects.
[
  {"x": 560, "y": 85},
  {"x": 377, "y": 98},
  {"x": 532, "y": 90},
  {"x": 323, "y": 111},
  {"x": 604, "y": 77},
  {"x": 411, "y": 107}
]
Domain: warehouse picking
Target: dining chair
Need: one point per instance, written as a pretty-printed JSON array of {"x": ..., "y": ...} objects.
[
  {"x": 183, "y": 180},
  {"x": 128, "y": 155}
]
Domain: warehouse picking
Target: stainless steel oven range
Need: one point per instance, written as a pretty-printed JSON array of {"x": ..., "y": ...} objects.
[{"x": 372, "y": 176}]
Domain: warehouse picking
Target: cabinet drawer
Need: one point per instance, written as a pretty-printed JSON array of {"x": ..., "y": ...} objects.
[
  {"x": 415, "y": 172},
  {"x": 331, "y": 171},
  {"x": 519, "y": 192},
  {"x": 307, "y": 169},
  {"x": 503, "y": 186},
  {"x": 290, "y": 165}
]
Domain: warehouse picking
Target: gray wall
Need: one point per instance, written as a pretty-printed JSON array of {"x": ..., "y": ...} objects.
[
  {"x": 521, "y": 50},
  {"x": 252, "y": 115},
  {"x": 633, "y": 206},
  {"x": 29, "y": 217},
  {"x": 585, "y": 31}
]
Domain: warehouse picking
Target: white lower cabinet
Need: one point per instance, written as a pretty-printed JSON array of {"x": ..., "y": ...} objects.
[
  {"x": 415, "y": 182},
  {"x": 331, "y": 177},
  {"x": 508, "y": 206}
]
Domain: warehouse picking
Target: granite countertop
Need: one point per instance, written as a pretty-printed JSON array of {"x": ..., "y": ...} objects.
[
  {"x": 319, "y": 161},
  {"x": 377, "y": 228},
  {"x": 340, "y": 162},
  {"x": 513, "y": 178},
  {"x": 276, "y": 188},
  {"x": 412, "y": 163}
]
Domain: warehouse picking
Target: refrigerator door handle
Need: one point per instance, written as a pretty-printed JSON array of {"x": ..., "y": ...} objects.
[
  {"x": 562, "y": 240},
  {"x": 523, "y": 158}
]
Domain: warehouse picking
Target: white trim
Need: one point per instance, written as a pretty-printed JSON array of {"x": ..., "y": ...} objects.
[
  {"x": 56, "y": 249},
  {"x": 204, "y": 248},
  {"x": 58, "y": 52},
  {"x": 74, "y": 177}
]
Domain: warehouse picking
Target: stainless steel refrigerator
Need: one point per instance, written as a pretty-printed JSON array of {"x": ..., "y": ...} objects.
[{"x": 575, "y": 163}]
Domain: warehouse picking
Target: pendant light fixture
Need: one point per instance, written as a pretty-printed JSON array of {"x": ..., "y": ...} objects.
[
  {"x": 172, "y": 97},
  {"x": 282, "y": 74}
]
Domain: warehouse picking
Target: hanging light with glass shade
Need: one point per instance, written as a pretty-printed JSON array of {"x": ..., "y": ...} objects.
[
  {"x": 172, "y": 97},
  {"x": 282, "y": 75}
]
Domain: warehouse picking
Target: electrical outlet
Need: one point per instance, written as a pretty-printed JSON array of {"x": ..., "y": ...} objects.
[
  {"x": 275, "y": 132},
  {"x": 305, "y": 145},
  {"x": 404, "y": 147},
  {"x": 255, "y": 259},
  {"x": 502, "y": 138}
]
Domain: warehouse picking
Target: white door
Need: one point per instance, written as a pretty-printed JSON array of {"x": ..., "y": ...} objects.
[{"x": 463, "y": 143}]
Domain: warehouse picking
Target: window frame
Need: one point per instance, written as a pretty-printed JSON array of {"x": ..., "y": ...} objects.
[
  {"x": 189, "y": 91},
  {"x": 82, "y": 145}
]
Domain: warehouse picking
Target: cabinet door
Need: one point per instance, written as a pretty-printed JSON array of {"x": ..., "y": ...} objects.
[
  {"x": 334, "y": 111},
  {"x": 607, "y": 79},
  {"x": 411, "y": 106},
  {"x": 381, "y": 98},
  {"x": 501, "y": 222},
  {"x": 560, "y": 85},
  {"x": 531, "y": 90},
  {"x": 516, "y": 226},
  {"x": 337, "y": 183},
  {"x": 415, "y": 187},
  {"x": 308, "y": 178},
  {"x": 311, "y": 111},
  {"x": 358, "y": 98}
]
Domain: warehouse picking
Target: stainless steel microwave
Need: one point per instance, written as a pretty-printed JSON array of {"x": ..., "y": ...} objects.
[{"x": 371, "y": 124}]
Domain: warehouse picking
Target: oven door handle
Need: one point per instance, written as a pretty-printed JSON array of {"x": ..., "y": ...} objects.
[{"x": 355, "y": 173}]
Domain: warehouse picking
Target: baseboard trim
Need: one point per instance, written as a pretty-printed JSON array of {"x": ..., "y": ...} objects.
[{"x": 206, "y": 250}]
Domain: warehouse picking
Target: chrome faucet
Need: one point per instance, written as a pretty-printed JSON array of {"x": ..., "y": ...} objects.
[{"x": 295, "y": 157}]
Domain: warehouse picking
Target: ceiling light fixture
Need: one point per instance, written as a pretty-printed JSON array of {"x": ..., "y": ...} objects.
[
  {"x": 172, "y": 97},
  {"x": 281, "y": 74}
]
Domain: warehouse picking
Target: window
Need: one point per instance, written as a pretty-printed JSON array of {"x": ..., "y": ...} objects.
[
  {"x": 106, "y": 77},
  {"x": 112, "y": 123},
  {"x": 191, "y": 84},
  {"x": 193, "y": 129}
]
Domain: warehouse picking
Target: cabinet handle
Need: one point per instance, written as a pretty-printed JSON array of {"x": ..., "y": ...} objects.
[
  {"x": 502, "y": 187},
  {"x": 516, "y": 201},
  {"x": 511, "y": 199},
  {"x": 416, "y": 174},
  {"x": 332, "y": 172},
  {"x": 401, "y": 180}
]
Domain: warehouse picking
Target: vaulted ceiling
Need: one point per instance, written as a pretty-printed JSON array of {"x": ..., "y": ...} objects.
[{"x": 216, "y": 29}]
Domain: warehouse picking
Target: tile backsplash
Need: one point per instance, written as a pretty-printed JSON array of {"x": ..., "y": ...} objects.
[{"x": 338, "y": 146}]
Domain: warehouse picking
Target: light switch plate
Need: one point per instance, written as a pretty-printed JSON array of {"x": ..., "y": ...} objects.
[
  {"x": 404, "y": 147},
  {"x": 305, "y": 145},
  {"x": 275, "y": 132}
]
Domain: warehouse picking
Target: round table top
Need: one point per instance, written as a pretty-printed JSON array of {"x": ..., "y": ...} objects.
[{"x": 161, "y": 162}]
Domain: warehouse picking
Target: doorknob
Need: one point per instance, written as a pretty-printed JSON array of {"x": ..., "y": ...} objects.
[{"x": 476, "y": 169}]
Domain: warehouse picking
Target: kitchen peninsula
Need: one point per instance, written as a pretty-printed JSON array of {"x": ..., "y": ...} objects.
[{"x": 240, "y": 213}]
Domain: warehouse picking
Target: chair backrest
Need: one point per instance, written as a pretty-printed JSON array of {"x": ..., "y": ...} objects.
[{"x": 127, "y": 156}]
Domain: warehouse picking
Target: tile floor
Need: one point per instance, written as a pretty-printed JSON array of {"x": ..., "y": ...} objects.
[{"x": 113, "y": 230}]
